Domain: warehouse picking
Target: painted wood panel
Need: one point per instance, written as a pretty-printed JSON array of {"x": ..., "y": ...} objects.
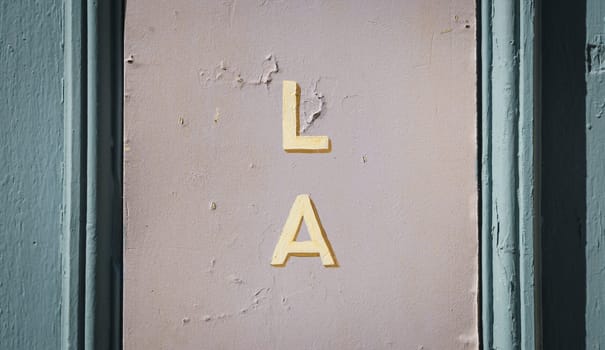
[
  {"x": 31, "y": 183},
  {"x": 595, "y": 173},
  {"x": 208, "y": 185}
]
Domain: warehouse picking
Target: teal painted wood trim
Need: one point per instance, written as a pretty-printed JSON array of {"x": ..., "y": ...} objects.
[
  {"x": 486, "y": 183},
  {"x": 116, "y": 22},
  {"x": 92, "y": 235},
  {"x": 72, "y": 307},
  {"x": 31, "y": 173},
  {"x": 529, "y": 174},
  {"x": 103, "y": 246},
  {"x": 505, "y": 206},
  {"x": 510, "y": 211},
  {"x": 595, "y": 182},
  {"x": 95, "y": 313}
]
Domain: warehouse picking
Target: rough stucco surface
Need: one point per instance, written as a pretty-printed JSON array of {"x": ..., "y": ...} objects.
[
  {"x": 31, "y": 191},
  {"x": 397, "y": 196}
]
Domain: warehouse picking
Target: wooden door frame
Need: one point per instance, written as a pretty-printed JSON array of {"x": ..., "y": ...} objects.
[
  {"x": 91, "y": 308},
  {"x": 510, "y": 174},
  {"x": 509, "y": 121}
]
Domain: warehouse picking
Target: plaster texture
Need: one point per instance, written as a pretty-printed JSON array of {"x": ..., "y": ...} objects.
[
  {"x": 31, "y": 177},
  {"x": 208, "y": 186}
]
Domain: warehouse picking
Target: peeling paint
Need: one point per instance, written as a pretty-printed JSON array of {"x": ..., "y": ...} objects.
[
  {"x": 600, "y": 108},
  {"x": 223, "y": 74},
  {"x": 595, "y": 55},
  {"x": 312, "y": 106},
  {"x": 223, "y": 64},
  {"x": 269, "y": 68}
]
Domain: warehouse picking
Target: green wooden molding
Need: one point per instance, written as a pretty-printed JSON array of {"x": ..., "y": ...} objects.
[
  {"x": 510, "y": 211},
  {"x": 529, "y": 174},
  {"x": 91, "y": 310},
  {"x": 73, "y": 192},
  {"x": 595, "y": 170}
]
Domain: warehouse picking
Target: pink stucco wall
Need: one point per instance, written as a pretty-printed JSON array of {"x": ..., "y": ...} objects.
[{"x": 395, "y": 84}]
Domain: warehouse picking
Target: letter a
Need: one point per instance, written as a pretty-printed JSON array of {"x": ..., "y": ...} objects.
[{"x": 318, "y": 245}]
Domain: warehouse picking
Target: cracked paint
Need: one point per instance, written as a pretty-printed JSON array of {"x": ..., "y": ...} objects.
[
  {"x": 224, "y": 74},
  {"x": 397, "y": 131},
  {"x": 312, "y": 106},
  {"x": 595, "y": 55}
]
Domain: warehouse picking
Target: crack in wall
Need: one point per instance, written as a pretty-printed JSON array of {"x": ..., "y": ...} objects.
[{"x": 258, "y": 298}]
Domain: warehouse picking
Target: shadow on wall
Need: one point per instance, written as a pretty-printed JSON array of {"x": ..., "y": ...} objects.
[{"x": 563, "y": 174}]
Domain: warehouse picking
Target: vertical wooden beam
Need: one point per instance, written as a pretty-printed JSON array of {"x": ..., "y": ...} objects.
[
  {"x": 74, "y": 183},
  {"x": 95, "y": 315},
  {"x": 529, "y": 174},
  {"x": 595, "y": 170},
  {"x": 509, "y": 173},
  {"x": 103, "y": 176},
  {"x": 505, "y": 206},
  {"x": 486, "y": 177},
  {"x": 92, "y": 243}
]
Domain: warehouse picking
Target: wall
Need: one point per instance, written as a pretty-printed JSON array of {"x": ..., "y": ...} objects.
[
  {"x": 208, "y": 186},
  {"x": 32, "y": 142},
  {"x": 31, "y": 154}
]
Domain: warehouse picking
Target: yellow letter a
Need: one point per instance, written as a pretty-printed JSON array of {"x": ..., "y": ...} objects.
[{"x": 318, "y": 245}]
